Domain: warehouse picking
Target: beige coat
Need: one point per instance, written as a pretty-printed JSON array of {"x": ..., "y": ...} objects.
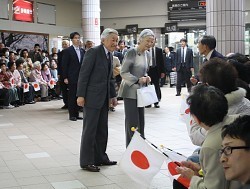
[{"x": 214, "y": 177}]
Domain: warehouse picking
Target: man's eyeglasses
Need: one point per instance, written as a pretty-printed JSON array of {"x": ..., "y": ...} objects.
[{"x": 228, "y": 149}]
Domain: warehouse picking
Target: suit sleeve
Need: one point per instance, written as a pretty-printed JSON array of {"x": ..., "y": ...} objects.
[
  {"x": 191, "y": 59},
  {"x": 65, "y": 63},
  {"x": 176, "y": 58},
  {"x": 59, "y": 63},
  {"x": 85, "y": 72},
  {"x": 161, "y": 61},
  {"x": 112, "y": 86},
  {"x": 128, "y": 61}
]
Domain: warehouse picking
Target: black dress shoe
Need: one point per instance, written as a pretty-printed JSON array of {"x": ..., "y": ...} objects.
[
  {"x": 78, "y": 117},
  {"x": 73, "y": 119},
  {"x": 64, "y": 107},
  {"x": 112, "y": 109},
  {"x": 106, "y": 163},
  {"x": 157, "y": 106},
  {"x": 91, "y": 168},
  {"x": 149, "y": 106},
  {"x": 178, "y": 94},
  {"x": 31, "y": 102}
]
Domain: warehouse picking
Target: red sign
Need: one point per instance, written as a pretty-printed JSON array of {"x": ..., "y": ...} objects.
[{"x": 23, "y": 10}]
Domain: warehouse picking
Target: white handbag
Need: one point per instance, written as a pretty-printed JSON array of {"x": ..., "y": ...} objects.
[{"x": 146, "y": 96}]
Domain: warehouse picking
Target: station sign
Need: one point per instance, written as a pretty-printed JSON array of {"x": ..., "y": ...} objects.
[{"x": 23, "y": 10}]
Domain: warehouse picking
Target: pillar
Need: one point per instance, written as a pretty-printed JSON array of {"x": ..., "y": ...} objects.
[
  {"x": 91, "y": 20},
  {"x": 225, "y": 20}
]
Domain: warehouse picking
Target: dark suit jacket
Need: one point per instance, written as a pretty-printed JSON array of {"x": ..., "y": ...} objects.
[
  {"x": 59, "y": 62},
  {"x": 216, "y": 54},
  {"x": 96, "y": 82},
  {"x": 159, "y": 61},
  {"x": 119, "y": 55},
  {"x": 169, "y": 62},
  {"x": 188, "y": 59},
  {"x": 71, "y": 65}
]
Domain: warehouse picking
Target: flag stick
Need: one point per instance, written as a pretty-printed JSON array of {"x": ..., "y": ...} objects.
[
  {"x": 135, "y": 129},
  {"x": 173, "y": 151}
]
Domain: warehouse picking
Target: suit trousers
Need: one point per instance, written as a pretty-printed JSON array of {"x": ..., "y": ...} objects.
[
  {"x": 183, "y": 75},
  {"x": 72, "y": 103},
  {"x": 153, "y": 73},
  {"x": 64, "y": 89},
  {"x": 134, "y": 117},
  {"x": 94, "y": 136}
]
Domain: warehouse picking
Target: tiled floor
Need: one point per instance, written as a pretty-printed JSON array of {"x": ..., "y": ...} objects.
[{"x": 39, "y": 146}]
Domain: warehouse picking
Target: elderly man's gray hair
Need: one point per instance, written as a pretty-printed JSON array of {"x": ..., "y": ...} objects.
[
  {"x": 107, "y": 32},
  {"x": 145, "y": 33},
  {"x": 36, "y": 64}
]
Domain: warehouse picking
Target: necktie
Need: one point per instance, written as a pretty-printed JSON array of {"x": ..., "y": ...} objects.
[
  {"x": 109, "y": 60},
  {"x": 153, "y": 58},
  {"x": 182, "y": 55},
  {"x": 78, "y": 54}
]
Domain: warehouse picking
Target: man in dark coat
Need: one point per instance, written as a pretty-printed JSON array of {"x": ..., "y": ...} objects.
[
  {"x": 183, "y": 66},
  {"x": 71, "y": 64},
  {"x": 96, "y": 92}
]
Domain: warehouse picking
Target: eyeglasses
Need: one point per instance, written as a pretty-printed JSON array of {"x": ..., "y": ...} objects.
[{"x": 228, "y": 149}]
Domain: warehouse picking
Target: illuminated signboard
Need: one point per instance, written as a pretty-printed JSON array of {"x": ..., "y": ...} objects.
[
  {"x": 201, "y": 3},
  {"x": 186, "y": 10},
  {"x": 132, "y": 28},
  {"x": 23, "y": 10}
]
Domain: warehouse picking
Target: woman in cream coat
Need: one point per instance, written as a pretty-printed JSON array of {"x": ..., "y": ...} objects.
[{"x": 134, "y": 74}]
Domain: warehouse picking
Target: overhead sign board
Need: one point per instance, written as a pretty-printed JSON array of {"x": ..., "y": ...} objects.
[{"x": 23, "y": 10}]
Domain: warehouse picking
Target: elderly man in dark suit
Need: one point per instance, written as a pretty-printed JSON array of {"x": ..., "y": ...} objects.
[
  {"x": 63, "y": 86},
  {"x": 183, "y": 66},
  {"x": 96, "y": 91},
  {"x": 156, "y": 70},
  {"x": 71, "y": 64},
  {"x": 206, "y": 46}
]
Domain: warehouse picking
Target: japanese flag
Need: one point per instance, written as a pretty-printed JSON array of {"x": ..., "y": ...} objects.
[
  {"x": 176, "y": 176},
  {"x": 26, "y": 87},
  {"x": 12, "y": 81},
  {"x": 141, "y": 162},
  {"x": 36, "y": 86},
  {"x": 52, "y": 83},
  {"x": 174, "y": 161},
  {"x": 185, "y": 115}
]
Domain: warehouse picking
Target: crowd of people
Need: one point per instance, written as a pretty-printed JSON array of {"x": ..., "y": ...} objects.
[{"x": 93, "y": 78}]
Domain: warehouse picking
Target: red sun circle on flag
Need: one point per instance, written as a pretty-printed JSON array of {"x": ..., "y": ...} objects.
[
  {"x": 25, "y": 86},
  {"x": 35, "y": 85},
  {"x": 187, "y": 111},
  {"x": 51, "y": 82},
  {"x": 139, "y": 159}
]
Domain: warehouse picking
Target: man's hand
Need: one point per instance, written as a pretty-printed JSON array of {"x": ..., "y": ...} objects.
[
  {"x": 80, "y": 101},
  {"x": 113, "y": 102},
  {"x": 193, "y": 80}
]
